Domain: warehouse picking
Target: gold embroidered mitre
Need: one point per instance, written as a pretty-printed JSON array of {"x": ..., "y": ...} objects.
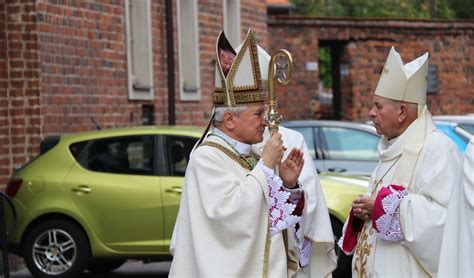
[
  {"x": 242, "y": 85},
  {"x": 404, "y": 82},
  {"x": 263, "y": 61}
]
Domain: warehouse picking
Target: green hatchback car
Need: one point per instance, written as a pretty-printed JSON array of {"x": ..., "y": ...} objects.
[{"x": 95, "y": 199}]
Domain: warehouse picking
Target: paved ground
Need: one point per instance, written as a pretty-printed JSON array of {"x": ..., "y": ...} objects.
[{"x": 134, "y": 269}]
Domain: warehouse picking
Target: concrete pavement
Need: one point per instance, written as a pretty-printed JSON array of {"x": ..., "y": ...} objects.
[{"x": 135, "y": 269}]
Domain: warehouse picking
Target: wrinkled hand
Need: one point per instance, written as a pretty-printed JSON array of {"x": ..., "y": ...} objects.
[
  {"x": 273, "y": 151},
  {"x": 290, "y": 168},
  {"x": 362, "y": 207}
]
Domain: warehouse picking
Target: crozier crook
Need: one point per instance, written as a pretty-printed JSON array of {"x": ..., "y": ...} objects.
[{"x": 284, "y": 68}]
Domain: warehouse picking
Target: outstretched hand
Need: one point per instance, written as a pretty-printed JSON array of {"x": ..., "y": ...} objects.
[{"x": 290, "y": 168}]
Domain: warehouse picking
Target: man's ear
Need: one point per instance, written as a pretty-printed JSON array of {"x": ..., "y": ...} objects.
[
  {"x": 229, "y": 120},
  {"x": 402, "y": 113}
]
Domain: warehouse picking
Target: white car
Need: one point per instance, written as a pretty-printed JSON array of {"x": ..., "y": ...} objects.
[
  {"x": 466, "y": 122},
  {"x": 341, "y": 147}
]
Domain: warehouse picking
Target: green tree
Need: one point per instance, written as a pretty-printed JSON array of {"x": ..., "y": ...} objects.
[
  {"x": 443, "y": 9},
  {"x": 462, "y": 8},
  {"x": 325, "y": 67}
]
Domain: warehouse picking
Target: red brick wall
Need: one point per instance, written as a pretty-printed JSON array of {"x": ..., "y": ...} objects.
[
  {"x": 366, "y": 44},
  {"x": 20, "y": 117},
  {"x": 65, "y": 62},
  {"x": 160, "y": 71},
  {"x": 254, "y": 16},
  {"x": 82, "y": 53},
  {"x": 293, "y": 100},
  {"x": 5, "y": 140}
]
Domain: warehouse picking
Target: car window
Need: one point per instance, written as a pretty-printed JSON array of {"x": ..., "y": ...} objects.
[
  {"x": 308, "y": 135},
  {"x": 468, "y": 127},
  {"x": 179, "y": 149},
  {"x": 350, "y": 144},
  {"x": 121, "y": 155}
]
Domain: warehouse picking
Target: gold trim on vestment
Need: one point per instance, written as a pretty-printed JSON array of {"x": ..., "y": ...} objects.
[
  {"x": 363, "y": 252},
  {"x": 266, "y": 254},
  {"x": 241, "y": 98},
  {"x": 237, "y": 158},
  {"x": 290, "y": 263}
]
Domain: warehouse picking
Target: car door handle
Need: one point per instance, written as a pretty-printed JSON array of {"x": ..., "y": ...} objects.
[
  {"x": 175, "y": 189},
  {"x": 82, "y": 189},
  {"x": 337, "y": 169}
]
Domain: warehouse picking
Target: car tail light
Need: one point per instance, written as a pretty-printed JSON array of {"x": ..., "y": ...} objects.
[{"x": 13, "y": 186}]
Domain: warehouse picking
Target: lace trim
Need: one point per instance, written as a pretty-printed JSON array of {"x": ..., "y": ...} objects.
[
  {"x": 339, "y": 243},
  {"x": 280, "y": 209},
  {"x": 388, "y": 225},
  {"x": 305, "y": 252}
]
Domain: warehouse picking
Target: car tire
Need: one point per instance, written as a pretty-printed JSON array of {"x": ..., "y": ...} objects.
[
  {"x": 104, "y": 266},
  {"x": 344, "y": 262},
  {"x": 56, "y": 248}
]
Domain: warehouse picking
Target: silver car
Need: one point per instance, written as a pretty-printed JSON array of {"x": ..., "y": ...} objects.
[{"x": 342, "y": 147}]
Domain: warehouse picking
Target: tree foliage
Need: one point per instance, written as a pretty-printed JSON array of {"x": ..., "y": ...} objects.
[
  {"x": 325, "y": 67},
  {"x": 443, "y": 9}
]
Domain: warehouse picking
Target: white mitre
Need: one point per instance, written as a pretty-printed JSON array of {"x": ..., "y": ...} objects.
[
  {"x": 242, "y": 86},
  {"x": 408, "y": 83},
  {"x": 263, "y": 61},
  {"x": 404, "y": 82}
]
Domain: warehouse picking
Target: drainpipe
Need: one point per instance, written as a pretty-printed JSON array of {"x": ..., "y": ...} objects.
[{"x": 170, "y": 61}]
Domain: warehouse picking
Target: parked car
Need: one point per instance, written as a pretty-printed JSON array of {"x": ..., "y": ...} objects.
[
  {"x": 460, "y": 128},
  {"x": 465, "y": 122},
  {"x": 341, "y": 147},
  {"x": 457, "y": 133},
  {"x": 94, "y": 199}
]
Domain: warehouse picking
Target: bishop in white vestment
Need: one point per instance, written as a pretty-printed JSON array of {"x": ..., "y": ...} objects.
[
  {"x": 457, "y": 250},
  {"x": 396, "y": 230},
  {"x": 237, "y": 218}
]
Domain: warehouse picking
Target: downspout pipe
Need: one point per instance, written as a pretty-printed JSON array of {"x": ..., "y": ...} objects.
[{"x": 170, "y": 62}]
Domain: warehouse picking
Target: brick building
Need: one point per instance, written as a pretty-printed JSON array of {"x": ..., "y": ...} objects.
[
  {"x": 67, "y": 66},
  {"x": 358, "y": 50}
]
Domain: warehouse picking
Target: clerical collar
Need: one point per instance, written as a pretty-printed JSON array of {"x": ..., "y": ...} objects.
[
  {"x": 392, "y": 141},
  {"x": 240, "y": 147},
  {"x": 391, "y": 149}
]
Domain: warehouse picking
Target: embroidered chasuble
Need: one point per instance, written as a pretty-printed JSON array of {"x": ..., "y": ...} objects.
[
  {"x": 222, "y": 228},
  {"x": 315, "y": 224},
  {"x": 421, "y": 213}
]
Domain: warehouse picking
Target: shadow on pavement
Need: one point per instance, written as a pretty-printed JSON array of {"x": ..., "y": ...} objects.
[{"x": 134, "y": 269}]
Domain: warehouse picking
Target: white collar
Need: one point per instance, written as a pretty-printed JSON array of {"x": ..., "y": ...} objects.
[
  {"x": 239, "y": 146},
  {"x": 390, "y": 149}
]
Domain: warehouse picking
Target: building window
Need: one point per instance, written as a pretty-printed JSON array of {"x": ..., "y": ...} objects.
[
  {"x": 232, "y": 21},
  {"x": 139, "y": 52},
  {"x": 148, "y": 117},
  {"x": 189, "y": 75},
  {"x": 432, "y": 87}
]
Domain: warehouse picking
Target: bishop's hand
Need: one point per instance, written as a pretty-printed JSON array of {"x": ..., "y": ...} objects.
[
  {"x": 290, "y": 168},
  {"x": 273, "y": 151},
  {"x": 362, "y": 207}
]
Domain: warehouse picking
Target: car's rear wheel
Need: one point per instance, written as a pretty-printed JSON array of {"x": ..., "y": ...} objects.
[
  {"x": 56, "y": 248},
  {"x": 104, "y": 266}
]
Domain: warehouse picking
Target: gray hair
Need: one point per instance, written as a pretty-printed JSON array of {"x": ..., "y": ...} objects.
[
  {"x": 220, "y": 111},
  {"x": 411, "y": 107}
]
